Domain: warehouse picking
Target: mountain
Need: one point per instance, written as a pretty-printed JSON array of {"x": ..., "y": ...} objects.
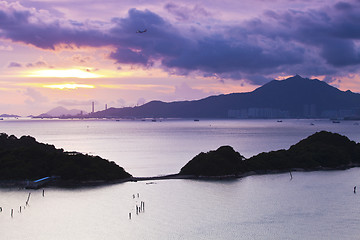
[
  {"x": 294, "y": 97},
  {"x": 61, "y": 112},
  {"x": 9, "y": 115}
]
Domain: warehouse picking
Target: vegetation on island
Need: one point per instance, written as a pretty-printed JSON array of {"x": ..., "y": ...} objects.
[
  {"x": 221, "y": 162},
  {"x": 322, "y": 150},
  {"x": 25, "y": 158}
]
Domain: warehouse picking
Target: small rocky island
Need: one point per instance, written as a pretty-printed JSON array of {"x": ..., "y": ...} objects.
[
  {"x": 26, "y": 159},
  {"x": 320, "y": 151}
]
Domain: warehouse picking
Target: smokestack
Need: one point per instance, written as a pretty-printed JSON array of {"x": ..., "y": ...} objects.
[
  {"x": 93, "y": 107},
  {"x": 105, "y": 106}
]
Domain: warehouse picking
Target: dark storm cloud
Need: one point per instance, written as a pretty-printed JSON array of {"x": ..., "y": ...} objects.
[
  {"x": 308, "y": 42},
  {"x": 343, "y": 6},
  {"x": 333, "y": 32},
  {"x": 161, "y": 40},
  {"x": 215, "y": 54},
  {"x": 211, "y": 54}
]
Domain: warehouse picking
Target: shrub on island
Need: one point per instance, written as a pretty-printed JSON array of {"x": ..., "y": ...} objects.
[
  {"x": 221, "y": 162},
  {"x": 322, "y": 150},
  {"x": 25, "y": 158}
]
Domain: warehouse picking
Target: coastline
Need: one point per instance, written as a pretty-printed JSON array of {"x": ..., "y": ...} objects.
[{"x": 21, "y": 184}]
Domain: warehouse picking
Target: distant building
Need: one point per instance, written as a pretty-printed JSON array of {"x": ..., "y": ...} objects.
[
  {"x": 309, "y": 111},
  {"x": 258, "y": 113}
]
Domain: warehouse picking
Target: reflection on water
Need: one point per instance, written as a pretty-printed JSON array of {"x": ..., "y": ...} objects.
[
  {"x": 158, "y": 148},
  {"x": 313, "y": 205}
]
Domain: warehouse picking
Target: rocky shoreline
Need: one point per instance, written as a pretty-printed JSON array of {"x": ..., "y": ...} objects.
[{"x": 88, "y": 184}]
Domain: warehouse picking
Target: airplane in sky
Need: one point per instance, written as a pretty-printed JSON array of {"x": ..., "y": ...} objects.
[{"x": 139, "y": 31}]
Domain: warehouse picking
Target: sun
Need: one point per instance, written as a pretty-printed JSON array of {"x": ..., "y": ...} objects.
[{"x": 64, "y": 73}]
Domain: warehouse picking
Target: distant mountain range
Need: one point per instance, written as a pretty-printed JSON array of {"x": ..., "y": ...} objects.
[
  {"x": 295, "y": 97},
  {"x": 61, "y": 112},
  {"x": 9, "y": 116}
]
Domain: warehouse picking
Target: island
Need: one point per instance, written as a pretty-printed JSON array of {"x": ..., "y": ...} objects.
[
  {"x": 26, "y": 162},
  {"x": 320, "y": 151}
]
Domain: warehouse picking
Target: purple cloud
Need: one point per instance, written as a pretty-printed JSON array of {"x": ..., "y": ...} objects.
[
  {"x": 35, "y": 97},
  {"x": 37, "y": 64},
  {"x": 309, "y": 42},
  {"x": 24, "y": 25},
  {"x": 14, "y": 65},
  {"x": 184, "y": 13},
  {"x": 70, "y": 102},
  {"x": 332, "y": 32}
]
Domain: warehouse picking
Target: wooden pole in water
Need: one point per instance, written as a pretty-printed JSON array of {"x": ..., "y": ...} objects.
[
  {"x": 20, "y": 209},
  {"x": 27, "y": 201},
  {"x": 129, "y": 215},
  {"x": 12, "y": 212},
  {"x": 43, "y": 193}
]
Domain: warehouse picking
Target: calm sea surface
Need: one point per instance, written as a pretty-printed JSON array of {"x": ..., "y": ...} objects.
[{"x": 313, "y": 205}]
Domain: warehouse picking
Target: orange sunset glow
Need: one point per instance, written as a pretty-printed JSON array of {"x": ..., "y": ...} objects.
[{"x": 106, "y": 57}]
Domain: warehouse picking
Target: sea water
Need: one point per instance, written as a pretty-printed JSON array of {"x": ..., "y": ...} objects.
[{"x": 311, "y": 205}]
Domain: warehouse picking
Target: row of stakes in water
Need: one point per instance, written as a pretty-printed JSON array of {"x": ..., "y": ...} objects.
[
  {"x": 22, "y": 207},
  {"x": 138, "y": 209}
]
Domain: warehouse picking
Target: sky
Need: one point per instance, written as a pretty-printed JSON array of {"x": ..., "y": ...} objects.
[{"x": 72, "y": 53}]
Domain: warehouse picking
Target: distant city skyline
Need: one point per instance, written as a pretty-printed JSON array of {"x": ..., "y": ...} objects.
[{"x": 73, "y": 53}]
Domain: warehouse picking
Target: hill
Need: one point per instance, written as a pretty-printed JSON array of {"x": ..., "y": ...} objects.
[
  {"x": 9, "y": 116},
  {"x": 295, "y": 97},
  {"x": 25, "y": 158},
  {"x": 322, "y": 150},
  {"x": 61, "y": 112}
]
